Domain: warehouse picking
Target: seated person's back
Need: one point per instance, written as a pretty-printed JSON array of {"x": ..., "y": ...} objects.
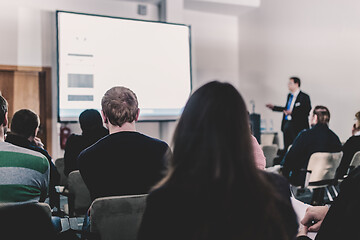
[
  {"x": 24, "y": 174},
  {"x": 124, "y": 162},
  {"x": 351, "y": 146},
  {"x": 24, "y": 128},
  {"x": 213, "y": 189},
  {"x": 319, "y": 138},
  {"x": 92, "y": 130}
]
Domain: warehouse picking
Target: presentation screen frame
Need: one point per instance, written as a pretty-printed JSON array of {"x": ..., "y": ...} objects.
[{"x": 144, "y": 119}]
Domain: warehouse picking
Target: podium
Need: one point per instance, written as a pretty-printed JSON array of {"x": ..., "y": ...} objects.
[{"x": 255, "y": 126}]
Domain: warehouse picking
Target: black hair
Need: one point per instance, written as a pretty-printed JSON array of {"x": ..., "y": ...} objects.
[
  {"x": 24, "y": 123},
  {"x": 296, "y": 80},
  {"x": 3, "y": 109},
  {"x": 90, "y": 119}
]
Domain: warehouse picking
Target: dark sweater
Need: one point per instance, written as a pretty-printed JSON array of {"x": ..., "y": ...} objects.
[
  {"x": 351, "y": 146},
  {"x": 122, "y": 163},
  {"x": 317, "y": 139},
  {"x": 76, "y": 143},
  {"x": 177, "y": 213}
]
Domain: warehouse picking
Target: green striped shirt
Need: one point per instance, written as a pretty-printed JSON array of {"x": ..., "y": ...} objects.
[{"x": 24, "y": 174}]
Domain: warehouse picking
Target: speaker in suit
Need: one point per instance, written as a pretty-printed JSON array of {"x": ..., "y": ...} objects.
[{"x": 295, "y": 112}]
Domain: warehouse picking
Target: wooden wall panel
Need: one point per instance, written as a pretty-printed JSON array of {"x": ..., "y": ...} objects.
[
  {"x": 29, "y": 87},
  {"x": 7, "y": 88},
  {"x": 27, "y": 91}
]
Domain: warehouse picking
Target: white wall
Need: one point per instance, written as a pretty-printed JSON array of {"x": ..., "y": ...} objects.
[
  {"x": 214, "y": 47},
  {"x": 315, "y": 40},
  {"x": 29, "y": 38}
]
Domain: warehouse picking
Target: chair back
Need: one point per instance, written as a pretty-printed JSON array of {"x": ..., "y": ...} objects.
[
  {"x": 267, "y": 138},
  {"x": 26, "y": 221},
  {"x": 79, "y": 195},
  {"x": 270, "y": 153},
  {"x": 117, "y": 217},
  {"x": 322, "y": 167},
  {"x": 41, "y": 205},
  {"x": 355, "y": 162},
  {"x": 59, "y": 164}
]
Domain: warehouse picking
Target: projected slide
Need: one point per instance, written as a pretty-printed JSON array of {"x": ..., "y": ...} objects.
[{"x": 96, "y": 53}]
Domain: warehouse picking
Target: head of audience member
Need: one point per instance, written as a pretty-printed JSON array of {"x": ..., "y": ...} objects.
[
  {"x": 3, "y": 117},
  {"x": 90, "y": 119},
  {"x": 120, "y": 109},
  {"x": 212, "y": 155},
  {"x": 294, "y": 84},
  {"x": 356, "y": 126},
  {"x": 321, "y": 115},
  {"x": 25, "y": 123}
]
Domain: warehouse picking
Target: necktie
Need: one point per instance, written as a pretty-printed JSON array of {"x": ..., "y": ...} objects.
[
  {"x": 289, "y": 102},
  {"x": 287, "y": 117}
]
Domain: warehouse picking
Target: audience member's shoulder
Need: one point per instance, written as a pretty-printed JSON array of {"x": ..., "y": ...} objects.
[
  {"x": 31, "y": 157},
  {"x": 153, "y": 140},
  {"x": 305, "y": 132},
  {"x": 275, "y": 178},
  {"x": 165, "y": 194},
  {"x": 279, "y": 182},
  {"x": 353, "y": 139},
  {"x": 13, "y": 148}
]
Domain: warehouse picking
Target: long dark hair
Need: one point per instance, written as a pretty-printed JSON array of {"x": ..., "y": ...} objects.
[{"x": 213, "y": 155}]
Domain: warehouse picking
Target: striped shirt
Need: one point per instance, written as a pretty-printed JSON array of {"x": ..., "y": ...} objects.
[{"x": 24, "y": 174}]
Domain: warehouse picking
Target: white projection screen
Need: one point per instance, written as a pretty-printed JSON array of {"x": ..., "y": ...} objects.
[{"x": 96, "y": 53}]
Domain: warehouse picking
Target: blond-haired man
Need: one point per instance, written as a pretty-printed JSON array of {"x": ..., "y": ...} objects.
[{"x": 124, "y": 162}]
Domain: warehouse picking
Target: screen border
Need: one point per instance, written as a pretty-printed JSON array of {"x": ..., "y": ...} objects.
[{"x": 149, "y": 119}]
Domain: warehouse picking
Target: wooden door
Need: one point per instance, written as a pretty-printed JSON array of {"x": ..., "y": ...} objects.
[{"x": 30, "y": 88}]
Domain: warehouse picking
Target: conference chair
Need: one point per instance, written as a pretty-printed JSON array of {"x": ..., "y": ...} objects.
[
  {"x": 79, "y": 196},
  {"x": 41, "y": 205},
  {"x": 59, "y": 164},
  {"x": 117, "y": 217},
  {"x": 355, "y": 162},
  {"x": 26, "y": 221},
  {"x": 270, "y": 153},
  {"x": 320, "y": 175}
]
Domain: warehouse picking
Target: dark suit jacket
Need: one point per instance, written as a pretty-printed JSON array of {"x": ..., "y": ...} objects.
[
  {"x": 342, "y": 219},
  {"x": 173, "y": 212},
  {"x": 300, "y": 112},
  {"x": 317, "y": 139},
  {"x": 351, "y": 146}
]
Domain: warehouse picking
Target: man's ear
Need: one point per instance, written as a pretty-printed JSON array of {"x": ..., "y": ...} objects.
[
  {"x": 104, "y": 117},
  {"x": 5, "y": 122},
  {"x": 315, "y": 119},
  {"x": 137, "y": 115}
]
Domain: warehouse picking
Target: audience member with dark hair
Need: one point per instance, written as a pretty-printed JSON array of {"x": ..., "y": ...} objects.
[
  {"x": 92, "y": 128},
  {"x": 319, "y": 138},
  {"x": 295, "y": 112},
  {"x": 350, "y": 147},
  {"x": 24, "y": 173},
  {"x": 24, "y": 128},
  {"x": 213, "y": 189}
]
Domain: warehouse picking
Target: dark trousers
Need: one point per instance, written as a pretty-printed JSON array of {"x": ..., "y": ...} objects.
[{"x": 289, "y": 134}]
